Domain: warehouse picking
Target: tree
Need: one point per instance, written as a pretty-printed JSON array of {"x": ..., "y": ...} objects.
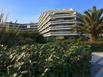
[
  {"x": 91, "y": 23},
  {"x": 30, "y": 38}
]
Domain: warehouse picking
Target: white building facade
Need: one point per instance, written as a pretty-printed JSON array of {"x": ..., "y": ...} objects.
[
  {"x": 30, "y": 27},
  {"x": 58, "y": 23}
]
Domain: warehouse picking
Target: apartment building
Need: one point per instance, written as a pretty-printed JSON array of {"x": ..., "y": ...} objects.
[
  {"x": 58, "y": 23},
  {"x": 28, "y": 27},
  {"x": 22, "y": 27}
]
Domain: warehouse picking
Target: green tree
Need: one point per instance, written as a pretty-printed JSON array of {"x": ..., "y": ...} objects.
[
  {"x": 29, "y": 38},
  {"x": 91, "y": 23}
]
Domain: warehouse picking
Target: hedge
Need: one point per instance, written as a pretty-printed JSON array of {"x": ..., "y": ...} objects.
[
  {"x": 57, "y": 59},
  {"x": 96, "y": 46}
]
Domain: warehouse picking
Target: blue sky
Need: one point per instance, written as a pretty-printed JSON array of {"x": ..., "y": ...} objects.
[{"x": 26, "y": 11}]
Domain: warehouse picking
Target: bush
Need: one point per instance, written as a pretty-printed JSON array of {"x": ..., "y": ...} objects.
[
  {"x": 59, "y": 59},
  {"x": 8, "y": 38},
  {"x": 96, "y": 46},
  {"x": 13, "y": 38},
  {"x": 29, "y": 38}
]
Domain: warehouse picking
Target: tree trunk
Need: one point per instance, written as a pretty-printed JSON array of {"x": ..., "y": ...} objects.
[{"x": 92, "y": 38}]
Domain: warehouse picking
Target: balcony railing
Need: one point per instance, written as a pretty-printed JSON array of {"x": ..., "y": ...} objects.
[
  {"x": 64, "y": 22},
  {"x": 63, "y": 16}
]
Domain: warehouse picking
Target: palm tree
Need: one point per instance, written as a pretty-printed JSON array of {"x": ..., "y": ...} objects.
[{"x": 91, "y": 23}]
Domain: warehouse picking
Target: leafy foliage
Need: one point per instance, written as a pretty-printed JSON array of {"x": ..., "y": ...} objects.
[
  {"x": 29, "y": 38},
  {"x": 13, "y": 38},
  {"x": 59, "y": 59},
  {"x": 91, "y": 23}
]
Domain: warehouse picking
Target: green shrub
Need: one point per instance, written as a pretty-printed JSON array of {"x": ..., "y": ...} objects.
[
  {"x": 96, "y": 46},
  {"x": 59, "y": 59},
  {"x": 13, "y": 38},
  {"x": 29, "y": 38}
]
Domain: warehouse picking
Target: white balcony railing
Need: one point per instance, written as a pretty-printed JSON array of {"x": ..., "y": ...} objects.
[
  {"x": 63, "y": 16},
  {"x": 64, "y": 22}
]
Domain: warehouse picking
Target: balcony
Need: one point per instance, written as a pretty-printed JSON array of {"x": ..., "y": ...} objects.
[
  {"x": 64, "y": 16},
  {"x": 43, "y": 27},
  {"x": 45, "y": 31},
  {"x": 62, "y": 29},
  {"x": 63, "y": 34},
  {"x": 63, "y": 26},
  {"x": 62, "y": 22}
]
